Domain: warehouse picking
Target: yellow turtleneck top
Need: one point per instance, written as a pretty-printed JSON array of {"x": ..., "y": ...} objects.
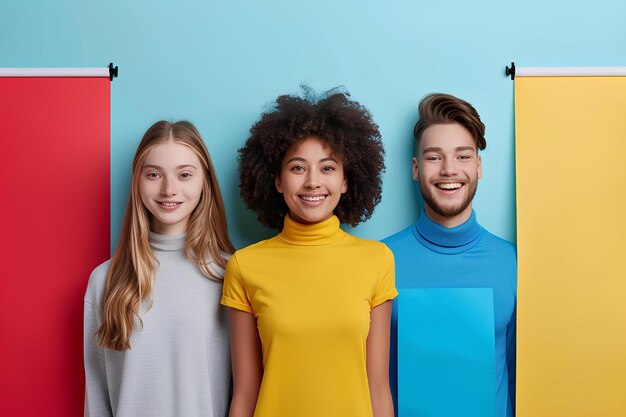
[{"x": 311, "y": 289}]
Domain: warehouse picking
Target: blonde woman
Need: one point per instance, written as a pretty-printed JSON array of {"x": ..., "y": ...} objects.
[{"x": 155, "y": 336}]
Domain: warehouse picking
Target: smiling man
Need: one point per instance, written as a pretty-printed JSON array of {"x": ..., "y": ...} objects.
[{"x": 447, "y": 248}]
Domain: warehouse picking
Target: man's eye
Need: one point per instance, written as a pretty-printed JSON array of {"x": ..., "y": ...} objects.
[
  {"x": 465, "y": 157},
  {"x": 432, "y": 158}
]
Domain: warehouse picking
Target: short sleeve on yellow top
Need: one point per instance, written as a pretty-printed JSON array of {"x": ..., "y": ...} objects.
[
  {"x": 311, "y": 289},
  {"x": 386, "y": 289},
  {"x": 235, "y": 295}
]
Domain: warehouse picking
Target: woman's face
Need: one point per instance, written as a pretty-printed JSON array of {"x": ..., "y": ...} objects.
[
  {"x": 170, "y": 186},
  {"x": 311, "y": 180}
]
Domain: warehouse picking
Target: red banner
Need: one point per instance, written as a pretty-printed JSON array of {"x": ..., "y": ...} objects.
[{"x": 55, "y": 229}]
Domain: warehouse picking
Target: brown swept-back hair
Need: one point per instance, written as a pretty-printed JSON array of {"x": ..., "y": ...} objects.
[
  {"x": 438, "y": 108},
  {"x": 130, "y": 277}
]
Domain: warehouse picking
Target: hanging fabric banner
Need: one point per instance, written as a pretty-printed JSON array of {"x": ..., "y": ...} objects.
[
  {"x": 55, "y": 225},
  {"x": 571, "y": 236}
]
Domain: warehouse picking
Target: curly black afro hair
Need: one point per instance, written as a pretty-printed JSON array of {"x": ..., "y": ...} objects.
[{"x": 345, "y": 125}]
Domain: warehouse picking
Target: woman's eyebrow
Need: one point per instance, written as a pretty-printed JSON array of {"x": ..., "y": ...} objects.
[
  {"x": 300, "y": 159},
  {"x": 296, "y": 158},
  {"x": 153, "y": 166}
]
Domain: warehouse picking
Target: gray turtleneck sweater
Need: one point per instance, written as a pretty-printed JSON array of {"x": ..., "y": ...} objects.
[{"x": 179, "y": 362}]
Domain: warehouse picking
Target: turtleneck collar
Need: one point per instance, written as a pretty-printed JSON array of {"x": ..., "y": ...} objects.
[
  {"x": 318, "y": 234},
  {"x": 447, "y": 240},
  {"x": 167, "y": 243}
]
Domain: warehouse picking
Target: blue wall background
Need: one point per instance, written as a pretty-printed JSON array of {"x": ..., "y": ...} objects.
[{"x": 219, "y": 63}]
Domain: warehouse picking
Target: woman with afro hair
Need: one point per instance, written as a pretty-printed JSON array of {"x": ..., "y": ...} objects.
[{"x": 310, "y": 308}]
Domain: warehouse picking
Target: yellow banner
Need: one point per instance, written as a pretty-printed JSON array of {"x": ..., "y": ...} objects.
[{"x": 571, "y": 235}]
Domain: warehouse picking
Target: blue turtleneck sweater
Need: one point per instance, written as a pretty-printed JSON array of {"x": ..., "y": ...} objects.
[{"x": 428, "y": 255}]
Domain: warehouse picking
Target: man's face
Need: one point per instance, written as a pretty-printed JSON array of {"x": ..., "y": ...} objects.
[{"x": 447, "y": 168}]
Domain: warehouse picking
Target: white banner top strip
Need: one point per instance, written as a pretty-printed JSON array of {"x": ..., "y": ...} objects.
[
  {"x": 570, "y": 71},
  {"x": 54, "y": 72}
]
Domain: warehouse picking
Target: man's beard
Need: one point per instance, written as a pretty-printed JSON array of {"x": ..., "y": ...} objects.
[{"x": 447, "y": 211}]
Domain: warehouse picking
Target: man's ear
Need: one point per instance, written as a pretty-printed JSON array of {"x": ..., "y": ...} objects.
[
  {"x": 416, "y": 176},
  {"x": 480, "y": 167},
  {"x": 278, "y": 184}
]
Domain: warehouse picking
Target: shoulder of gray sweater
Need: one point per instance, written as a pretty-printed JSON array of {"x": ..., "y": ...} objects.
[
  {"x": 97, "y": 280},
  {"x": 216, "y": 268}
]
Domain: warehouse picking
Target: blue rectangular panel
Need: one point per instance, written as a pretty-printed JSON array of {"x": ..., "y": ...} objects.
[{"x": 446, "y": 352}]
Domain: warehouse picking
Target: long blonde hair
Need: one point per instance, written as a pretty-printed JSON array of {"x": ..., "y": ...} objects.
[{"x": 130, "y": 277}]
